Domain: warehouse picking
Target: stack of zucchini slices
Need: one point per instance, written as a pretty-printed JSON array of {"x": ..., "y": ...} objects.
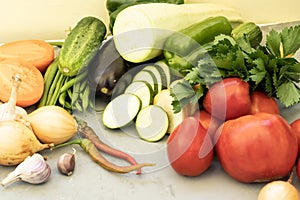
[{"x": 135, "y": 103}]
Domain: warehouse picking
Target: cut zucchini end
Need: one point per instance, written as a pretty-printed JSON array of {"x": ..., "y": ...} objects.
[
  {"x": 152, "y": 123},
  {"x": 121, "y": 111}
]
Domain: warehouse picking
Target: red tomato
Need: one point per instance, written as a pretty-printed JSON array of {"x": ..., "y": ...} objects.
[
  {"x": 209, "y": 123},
  {"x": 261, "y": 102},
  {"x": 298, "y": 169},
  {"x": 189, "y": 148},
  {"x": 296, "y": 127},
  {"x": 256, "y": 148},
  {"x": 228, "y": 99}
]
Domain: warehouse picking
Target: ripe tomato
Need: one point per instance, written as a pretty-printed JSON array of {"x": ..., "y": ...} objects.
[
  {"x": 261, "y": 102},
  {"x": 209, "y": 123},
  {"x": 256, "y": 148},
  {"x": 189, "y": 148},
  {"x": 228, "y": 99},
  {"x": 296, "y": 128}
]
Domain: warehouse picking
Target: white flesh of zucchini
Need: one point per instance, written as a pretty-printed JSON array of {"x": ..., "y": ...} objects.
[
  {"x": 121, "y": 111},
  {"x": 166, "y": 70},
  {"x": 143, "y": 90},
  {"x": 149, "y": 77},
  {"x": 152, "y": 123},
  {"x": 158, "y": 73},
  {"x": 140, "y": 30}
]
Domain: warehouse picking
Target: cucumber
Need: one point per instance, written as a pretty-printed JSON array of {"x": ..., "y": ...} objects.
[
  {"x": 81, "y": 45},
  {"x": 152, "y": 123},
  {"x": 140, "y": 30},
  {"x": 143, "y": 90},
  {"x": 121, "y": 111},
  {"x": 149, "y": 77}
]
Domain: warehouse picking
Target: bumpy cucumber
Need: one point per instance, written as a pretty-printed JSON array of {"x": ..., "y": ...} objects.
[{"x": 81, "y": 45}]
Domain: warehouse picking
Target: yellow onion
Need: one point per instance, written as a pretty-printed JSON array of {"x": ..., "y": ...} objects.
[
  {"x": 278, "y": 190},
  {"x": 52, "y": 124},
  {"x": 17, "y": 142}
]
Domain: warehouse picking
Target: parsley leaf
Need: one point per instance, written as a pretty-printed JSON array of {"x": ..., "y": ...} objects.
[
  {"x": 290, "y": 37},
  {"x": 273, "y": 42},
  {"x": 288, "y": 94}
]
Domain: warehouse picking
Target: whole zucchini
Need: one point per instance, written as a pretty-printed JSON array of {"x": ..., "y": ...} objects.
[
  {"x": 81, "y": 45},
  {"x": 179, "y": 48},
  {"x": 186, "y": 40},
  {"x": 250, "y": 30},
  {"x": 112, "y": 5},
  {"x": 113, "y": 15}
]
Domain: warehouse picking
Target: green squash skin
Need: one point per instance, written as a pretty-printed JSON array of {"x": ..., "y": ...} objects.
[
  {"x": 81, "y": 45},
  {"x": 112, "y": 5}
]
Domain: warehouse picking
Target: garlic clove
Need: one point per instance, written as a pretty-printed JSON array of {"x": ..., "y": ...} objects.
[
  {"x": 66, "y": 163},
  {"x": 33, "y": 169}
]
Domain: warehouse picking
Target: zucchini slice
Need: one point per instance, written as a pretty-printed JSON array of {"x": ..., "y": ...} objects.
[
  {"x": 143, "y": 90},
  {"x": 121, "y": 111},
  {"x": 152, "y": 123},
  {"x": 161, "y": 64},
  {"x": 149, "y": 77},
  {"x": 159, "y": 75}
]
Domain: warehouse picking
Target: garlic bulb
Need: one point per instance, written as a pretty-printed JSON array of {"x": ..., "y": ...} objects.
[
  {"x": 33, "y": 169},
  {"x": 52, "y": 124},
  {"x": 17, "y": 142},
  {"x": 66, "y": 163},
  {"x": 9, "y": 110}
]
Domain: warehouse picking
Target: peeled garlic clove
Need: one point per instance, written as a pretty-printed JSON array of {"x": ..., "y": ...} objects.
[
  {"x": 33, "y": 169},
  {"x": 66, "y": 163}
]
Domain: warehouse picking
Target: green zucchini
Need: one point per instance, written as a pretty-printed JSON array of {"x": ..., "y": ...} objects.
[
  {"x": 112, "y": 5},
  {"x": 188, "y": 39},
  {"x": 81, "y": 45},
  {"x": 250, "y": 30},
  {"x": 152, "y": 123}
]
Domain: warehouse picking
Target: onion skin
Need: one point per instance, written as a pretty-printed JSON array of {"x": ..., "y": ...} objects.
[
  {"x": 52, "y": 124},
  {"x": 17, "y": 143},
  {"x": 278, "y": 190}
]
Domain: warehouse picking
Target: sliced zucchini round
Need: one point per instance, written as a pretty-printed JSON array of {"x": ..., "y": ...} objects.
[
  {"x": 149, "y": 77},
  {"x": 166, "y": 71},
  {"x": 121, "y": 111},
  {"x": 152, "y": 123},
  {"x": 159, "y": 75},
  {"x": 143, "y": 90}
]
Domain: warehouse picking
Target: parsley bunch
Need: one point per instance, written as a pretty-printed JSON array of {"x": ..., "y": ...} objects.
[{"x": 270, "y": 67}]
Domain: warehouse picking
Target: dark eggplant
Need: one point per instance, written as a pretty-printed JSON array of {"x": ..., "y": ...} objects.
[{"x": 107, "y": 67}]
